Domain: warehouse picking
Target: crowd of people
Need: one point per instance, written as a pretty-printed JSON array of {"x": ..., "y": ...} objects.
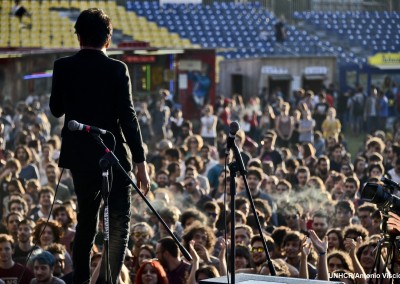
[{"x": 305, "y": 184}]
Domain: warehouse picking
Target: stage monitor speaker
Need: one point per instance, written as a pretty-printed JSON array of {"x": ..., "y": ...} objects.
[{"x": 243, "y": 278}]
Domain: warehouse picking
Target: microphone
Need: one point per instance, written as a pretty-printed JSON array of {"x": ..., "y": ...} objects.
[
  {"x": 233, "y": 128},
  {"x": 73, "y": 125}
]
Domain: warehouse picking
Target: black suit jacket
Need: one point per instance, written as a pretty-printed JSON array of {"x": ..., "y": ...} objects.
[{"x": 93, "y": 89}]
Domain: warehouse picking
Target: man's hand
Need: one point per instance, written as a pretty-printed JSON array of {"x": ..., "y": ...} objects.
[
  {"x": 321, "y": 246},
  {"x": 394, "y": 221},
  {"x": 143, "y": 179},
  {"x": 351, "y": 245},
  {"x": 202, "y": 252},
  {"x": 193, "y": 253},
  {"x": 306, "y": 246}
]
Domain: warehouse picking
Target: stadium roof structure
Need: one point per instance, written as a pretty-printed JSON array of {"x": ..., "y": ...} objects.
[{"x": 20, "y": 52}]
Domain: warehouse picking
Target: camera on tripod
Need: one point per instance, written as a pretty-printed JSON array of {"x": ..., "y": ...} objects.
[{"x": 382, "y": 195}]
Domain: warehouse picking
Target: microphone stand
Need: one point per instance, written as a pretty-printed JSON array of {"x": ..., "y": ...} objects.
[
  {"x": 108, "y": 160},
  {"x": 105, "y": 165},
  {"x": 234, "y": 167}
]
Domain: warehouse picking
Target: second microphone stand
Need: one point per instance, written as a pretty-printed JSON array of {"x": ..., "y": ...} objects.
[{"x": 238, "y": 167}]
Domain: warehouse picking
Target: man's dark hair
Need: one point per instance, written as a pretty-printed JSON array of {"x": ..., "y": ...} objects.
[
  {"x": 255, "y": 172},
  {"x": 206, "y": 146},
  {"x": 354, "y": 180},
  {"x": 285, "y": 183},
  {"x": 19, "y": 200},
  {"x": 379, "y": 166},
  {"x": 376, "y": 215},
  {"x": 93, "y": 27},
  {"x": 369, "y": 207},
  {"x": 45, "y": 189},
  {"x": 321, "y": 214},
  {"x": 68, "y": 210},
  {"x": 198, "y": 163},
  {"x": 293, "y": 236},
  {"x": 169, "y": 245},
  {"x": 254, "y": 163},
  {"x": 192, "y": 213},
  {"x": 55, "y": 248},
  {"x": 292, "y": 163},
  {"x": 35, "y": 144},
  {"x": 191, "y": 168},
  {"x": 279, "y": 234},
  {"x": 240, "y": 201},
  {"x": 245, "y": 227},
  {"x": 12, "y": 214},
  {"x": 322, "y": 158},
  {"x": 357, "y": 230},
  {"x": 51, "y": 165},
  {"x": 337, "y": 146},
  {"x": 170, "y": 214},
  {"x": 27, "y": 222},
  {"x": 45, "y": 258},
  {"x": 212, "y": 205},
  {"x": 7, "y": 238},
  {"x": 238, "y": 214},
  {"x": 173, "y": 152},
  {"x": 345, "y": 205},
  {"x": 208, "y": 270},
  {"x": 268, "y": 239},
  {"x": 264, "y": 206},
  {"x": 162, "y": 172},
  {"x": 303, "y": 169},
  {"x": 172, "y": 167},
  {"x": 187, "y": 123}
]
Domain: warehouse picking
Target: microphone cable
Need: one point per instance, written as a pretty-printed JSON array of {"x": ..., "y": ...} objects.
[
  {"x": 114, "y": 143},
  {"x": 110, "y": 182},
  {"x": 44, "y": 227},
  {"x": 225, "y": 218}
]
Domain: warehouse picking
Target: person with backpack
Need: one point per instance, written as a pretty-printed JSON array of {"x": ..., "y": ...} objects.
[{"x": 357, "y": 110}]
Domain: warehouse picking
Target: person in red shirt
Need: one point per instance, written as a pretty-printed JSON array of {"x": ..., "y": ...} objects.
[
  {"x": 225, "y": 115},
  {"x": 10, "y": 271}
]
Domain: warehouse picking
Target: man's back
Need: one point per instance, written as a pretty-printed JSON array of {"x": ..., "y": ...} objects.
[
  {"x": 180, "y": 274},
  {"x": 95, "y": 90}
]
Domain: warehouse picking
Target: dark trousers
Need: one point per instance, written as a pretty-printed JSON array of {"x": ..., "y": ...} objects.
[{"x": 88, "y": 186}]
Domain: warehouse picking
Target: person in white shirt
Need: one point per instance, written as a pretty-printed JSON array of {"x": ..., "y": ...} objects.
[
  {"x": 209, "y": 125},
  {"x": 395, "y": 172}
]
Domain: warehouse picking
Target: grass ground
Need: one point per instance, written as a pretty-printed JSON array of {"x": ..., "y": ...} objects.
[{"x": 354, "y": 142}]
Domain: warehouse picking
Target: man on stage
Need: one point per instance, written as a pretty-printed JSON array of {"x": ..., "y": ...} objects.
[{"x": 93, "y": 89}]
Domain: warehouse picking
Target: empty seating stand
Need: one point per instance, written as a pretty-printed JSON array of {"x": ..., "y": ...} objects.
[
  {"x": 371, "y": 32},
  {"x": 238, "y": 30}
]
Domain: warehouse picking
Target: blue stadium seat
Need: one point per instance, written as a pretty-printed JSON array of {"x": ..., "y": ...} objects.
[{"x": 227, "y": 24}]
